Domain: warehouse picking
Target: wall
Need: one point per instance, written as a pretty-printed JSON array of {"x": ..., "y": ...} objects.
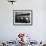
[{"x": 38, "y": 29}]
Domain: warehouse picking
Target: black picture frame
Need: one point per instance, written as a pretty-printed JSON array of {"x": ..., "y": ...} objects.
[{"x": 20, "y": 15}]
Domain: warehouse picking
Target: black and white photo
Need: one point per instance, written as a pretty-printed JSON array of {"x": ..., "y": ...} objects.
[{"x": 22, "y": 17}]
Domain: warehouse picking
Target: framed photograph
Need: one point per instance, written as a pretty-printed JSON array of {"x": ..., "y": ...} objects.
[{"x": 22, "y": 17}]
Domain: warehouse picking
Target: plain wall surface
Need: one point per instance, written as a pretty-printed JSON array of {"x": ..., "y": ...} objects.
[{"x": 8, "y": 31}]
